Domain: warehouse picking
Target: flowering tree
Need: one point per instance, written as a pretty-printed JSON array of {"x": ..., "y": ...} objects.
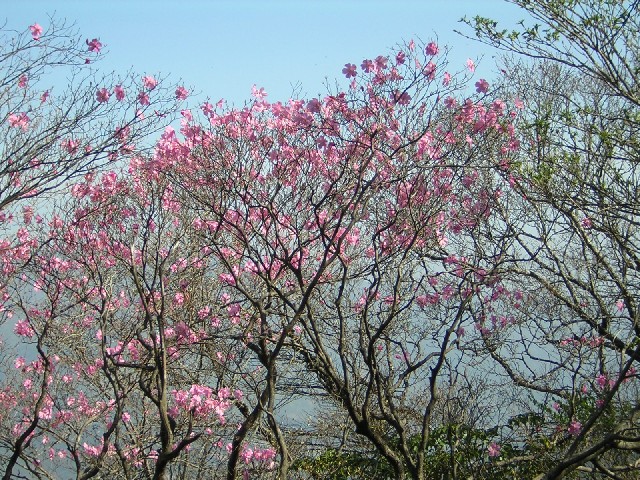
[
  {"x": 50, "y": 138},
  {"x": 319, "y": 246},
  {"x": 128, "y": 331},
  {"x": 132, "y": 370},
  {"x": 444, "y": 278},
  {"x": 344, "y": 228}
]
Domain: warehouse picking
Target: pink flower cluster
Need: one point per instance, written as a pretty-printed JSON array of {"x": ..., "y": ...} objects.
[
  {"x": 202, "y": 401},
  {"x": 265, "y": 456},
  {"x": 19, "y": 120}
]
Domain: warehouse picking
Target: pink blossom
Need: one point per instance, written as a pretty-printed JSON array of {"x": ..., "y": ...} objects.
[
  {"x": 446, "y": 79},
  {"x": 432, "y": 49},
  {"x": 102, "y": 95},
  {"x": 149, "y": 82},
  {"x": 367, "y": 66},
  {"x": 482, "y": 86},
  {"x": 94, "y": 45},
  {"x": 119, "y": 91},
  {"x": 519, "y": 104},
  {"x": 227, "y": 278},
  {"x": 630, "y": 374},
  {"x": 450, "y": 102},
  {"x": 36, "y": 31},
  {"x": 19, "y": 120},
  {"x": 494, "y": 450},
  {"x": 258, "y": 93},
  {"x": 602, "y": 380},
  {"x": 22, "y": 81},
  {"x": 143, "y": 98},
  {"x": 430, "y": 70},
  {"x": 401, "y": 98},
  {"x": 400, "y": 58},
  {"x": 181, "y": 93},
  {"x": 27, "y": 213},
  {"x": 122, "y": 133},
  {"x": 44, "y": 97},
  {"x": 179, "y": 298},
  {"x": 498, "y": 107},
  {"x": 70, "y": 145},
  {"x": 349, "y": 70},
  {"x": 90, "y": 450},
  {"x": 207, "y": 109},
  {"x": 23, "y": 329},
  {"x": 470, "y": 65},
  {"x": 620, "y": 305},
  {"x": 574, "y": 428},
  {"x": 381, "y": 62}
]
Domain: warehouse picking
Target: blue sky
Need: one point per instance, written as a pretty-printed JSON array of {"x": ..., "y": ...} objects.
[{"x": 221, "y": 48}]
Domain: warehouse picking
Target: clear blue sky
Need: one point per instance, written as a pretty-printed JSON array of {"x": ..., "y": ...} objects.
[{"x": 222, "y": 48}]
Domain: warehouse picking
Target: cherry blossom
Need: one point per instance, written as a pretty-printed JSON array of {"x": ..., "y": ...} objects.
[
  {"x": 36, "y": 31},
  {"x": 181, "y": 93},
  {"x": 102, "y": 95},
  {"x": 94, "y": 45},
  {"x": 482, "y": 86},
  {"x": 432, "y": 49},
  {"x": 349, "y": 70},
  {"x": 471, "y": 65},
  {"x": 149, "y": 82}
]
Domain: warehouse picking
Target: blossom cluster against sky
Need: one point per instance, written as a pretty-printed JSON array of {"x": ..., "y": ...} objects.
[{"x": 219, "y": 49}]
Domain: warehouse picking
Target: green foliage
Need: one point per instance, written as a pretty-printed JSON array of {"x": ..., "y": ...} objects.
[
  {"x": 333, "y": 464},
  {"x": 453, "y": 451}
]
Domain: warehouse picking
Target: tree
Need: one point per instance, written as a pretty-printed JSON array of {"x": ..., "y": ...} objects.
[
  {"x": 445, "y": 278},
  {"x": 346, "y": 227},
  {"x": 279, "y": 250},
  {"x": 48, "y": 139},
  {"x": 574, "y": 227},
  {"x": 51, "y": 136}
]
